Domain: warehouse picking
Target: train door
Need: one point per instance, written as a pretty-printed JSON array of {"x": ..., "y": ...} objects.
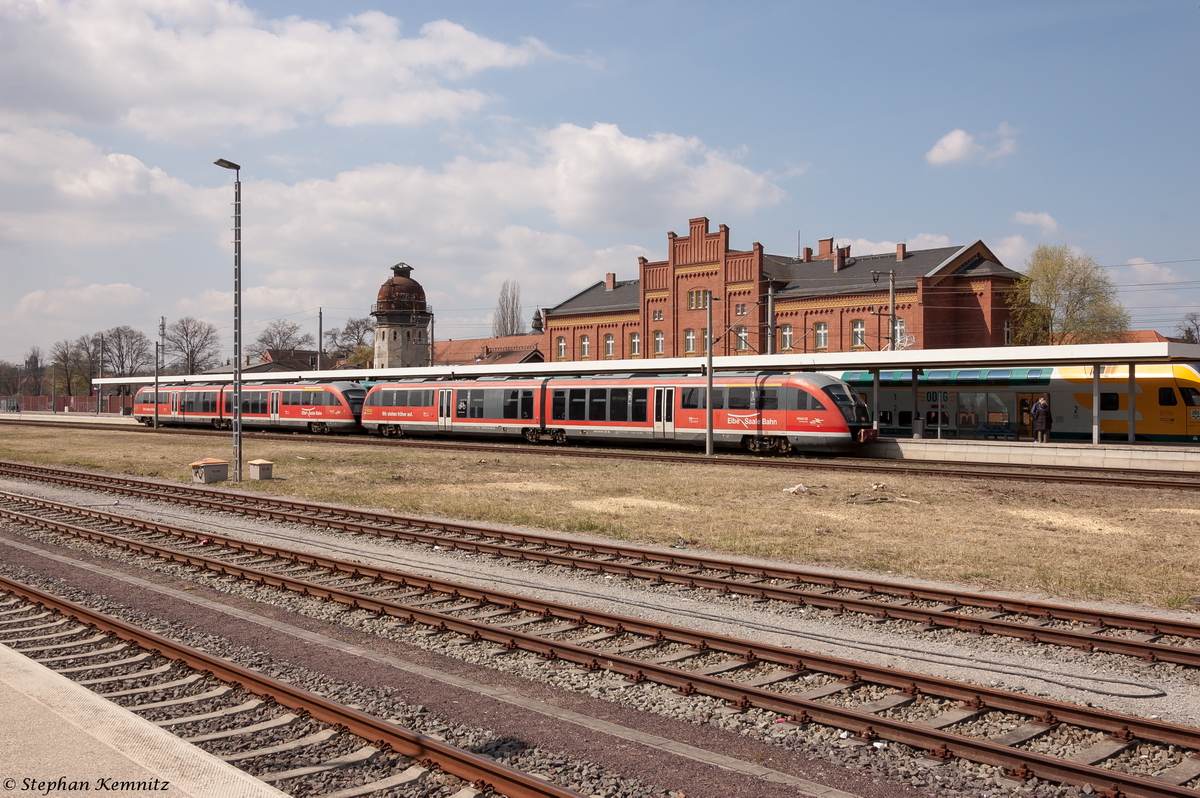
[
  {"x": 274, "y": 408},
  {"x": 664, "y": 412},
  {"x": 1025, "y": 403},
  {"x": 174, "y": 404},
  {"x": 445, "y": 409}
]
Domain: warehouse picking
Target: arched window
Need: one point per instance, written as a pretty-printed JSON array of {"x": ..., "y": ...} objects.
[
  {"x": 585, "y": 347},
  {"x": 704, "y": 339},
  {"x": 858, "y": 334},
  {"x": 660, "y": 342},
  {"x": 689, "y": 340},
  {"x": 561, "y": 346},
  {"x": 785, "y": 337},
  {"x": 635, "y": 345},
  {"x": 821, "y": 335},
  {"x": 743, "y": 339},
  {"x": 609, "y": 345},
  {"x": 898, "y": 333}
]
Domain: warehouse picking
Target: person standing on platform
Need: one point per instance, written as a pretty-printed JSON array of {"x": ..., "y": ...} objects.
[{"x": 1042, "y": 422}]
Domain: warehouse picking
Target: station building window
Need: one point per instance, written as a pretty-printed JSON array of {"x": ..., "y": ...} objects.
[
  {"x": 689, "y": 340},
  {"x": 858, "y": 334},
  {"x": 898, "y": 333},
  {"x": 704, "y": 339},
  {"x": 660, "y": 341},
  {"x": 821, "y": 335},
  {"x": 585, "y": 347},
  {"x": 609, "y": 345},
  {"x": 743, "y": 339},
  {"x": 785, "y": 337},
  {"x": 1007, "y": 332},
  {"x": 658, "y": 315},
  {"x": 697, "y": 299},
  {"x": 561, "y": 348},
  {"x": 635, "y": 345}
]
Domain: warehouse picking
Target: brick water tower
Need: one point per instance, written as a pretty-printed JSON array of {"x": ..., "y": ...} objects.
[{"x": 402, "y": 322}]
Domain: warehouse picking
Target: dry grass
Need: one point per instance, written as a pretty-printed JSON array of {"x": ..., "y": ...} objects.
[{"x": 1112, "y": 544}]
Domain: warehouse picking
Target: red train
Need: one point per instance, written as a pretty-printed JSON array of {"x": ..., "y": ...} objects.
[
  {"x": 312, "y": 406},
  {"x": 759, "y": 411}
]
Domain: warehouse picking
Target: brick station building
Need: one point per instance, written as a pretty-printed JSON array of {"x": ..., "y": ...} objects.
[{"x": 832, "y": 301}]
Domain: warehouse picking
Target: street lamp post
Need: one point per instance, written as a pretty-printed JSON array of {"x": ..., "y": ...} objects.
[
  {"x": 708, "y": 373},
  {"x": 237, "y": 315}
]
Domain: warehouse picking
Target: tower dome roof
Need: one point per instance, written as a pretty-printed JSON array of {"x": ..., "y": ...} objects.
[{"x": 401, "y": 292}]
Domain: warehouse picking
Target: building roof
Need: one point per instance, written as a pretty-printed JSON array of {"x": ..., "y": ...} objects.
[
  {"x": 624, "y": 296},
  {"x": 489, "y": 351}
]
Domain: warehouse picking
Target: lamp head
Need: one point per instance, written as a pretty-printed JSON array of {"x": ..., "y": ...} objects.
[{"x": 224, "y": 164}]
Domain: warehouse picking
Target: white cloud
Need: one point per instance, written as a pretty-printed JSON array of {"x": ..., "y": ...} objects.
[
  {"x": 959, "y": 146},
  {"x": 861, "y": 246},
  {"x": 1012, "y": 251},
  {"x": 72, "y": 303},
  {"x": 188, "y": 70},
  {"x": 1044, "y": 220},
  {"x": 1146, "y": 272}
]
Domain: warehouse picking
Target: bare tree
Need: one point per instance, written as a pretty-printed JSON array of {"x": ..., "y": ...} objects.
[
  {"x": 1189, "y": 328},
  {"x": 1066, "y": 298},
  {"x": 341, "y": 341},
  {"x": 66, "y": 372},
  {"x": 280, "y": 335},
  {"x": 193, "y": 344},
  {"x": 509, "y": 320},
  {"x": 31, "y": 377},
  {"x": 362, "y": 356},
  {"x": 10, "y": 378},
  {"x": 127, "y": 352}
]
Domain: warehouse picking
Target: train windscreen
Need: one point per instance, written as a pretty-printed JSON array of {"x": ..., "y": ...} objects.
[{"x": 850, "y": 403}]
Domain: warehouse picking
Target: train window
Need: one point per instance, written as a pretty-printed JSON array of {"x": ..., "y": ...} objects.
[
  {"x": 1110, "y": 401},
  {"x": 768, "y": 399},
  {"x": 618, "y": 405},
  {"x": 968, "y": 375},
  {"x": 527, "y": 404},
  {"x": 938, "y": 376},
  {"x": 691, "y": 398},
  {"x": 597, "y": 404},
  {"x": 906, "y": 418},
  {"x": 1000, "y": 374},
  {"x": 739, "y": 398},
  {"x": 885, "y": 418},
  {"x": 512, "y": 404},
  {"x": 1034, "y": 374},
  {"x": 1191, "y": 396},
  {"x": 1166, "y": 397},
  {"x": 935, "y": 419},
  {"x": 577, "y": 404},
  {"x": 639, "y": 404},
  {"x": 558, "y": 405}
]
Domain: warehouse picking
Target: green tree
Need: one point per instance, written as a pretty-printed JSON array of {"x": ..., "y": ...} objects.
[{"x": 1066, "y": 298}]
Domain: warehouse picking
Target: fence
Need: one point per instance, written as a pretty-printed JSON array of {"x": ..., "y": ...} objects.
[{"x": 64, "y": 404}]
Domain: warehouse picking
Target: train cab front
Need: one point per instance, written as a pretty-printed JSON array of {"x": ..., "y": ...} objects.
[{"x": 854, "y": 410}]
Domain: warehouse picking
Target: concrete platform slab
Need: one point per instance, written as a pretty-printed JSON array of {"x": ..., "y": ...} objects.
[
  {"x": 1138, "y": 457},
  {"x": 56, "y": 737}
]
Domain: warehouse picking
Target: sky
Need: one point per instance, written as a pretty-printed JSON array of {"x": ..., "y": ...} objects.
[{"x": 554, "y": 142}]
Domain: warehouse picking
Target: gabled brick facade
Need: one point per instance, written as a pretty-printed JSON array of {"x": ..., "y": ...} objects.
[{"x": 833, "y": 301}]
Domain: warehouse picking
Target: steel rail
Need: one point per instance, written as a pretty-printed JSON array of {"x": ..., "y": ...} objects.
[
  {"x": 1182, "y": 480},
  {"x": 333, "y": 517},
  {"x": 1084, "y": 640},
  {"x": 480, "y": 770},
  {"x": 865, "y": 726}
]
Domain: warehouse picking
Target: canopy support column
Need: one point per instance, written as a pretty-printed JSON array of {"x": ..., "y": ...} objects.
[{"x": 1132, "y": 401}]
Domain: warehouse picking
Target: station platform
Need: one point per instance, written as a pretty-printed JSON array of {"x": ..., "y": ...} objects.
[
  {"x": 78, "y": 418},
  {"x": 1108, "y": 454},
  {"x": 58, "y": 736}
]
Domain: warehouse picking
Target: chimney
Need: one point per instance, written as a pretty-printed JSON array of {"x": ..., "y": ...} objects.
[
  {"x": 839, "y": 261},
  {"x": 610, "y": 281},
  {"x": 901, "y": 251},
  {"x": 808, "y": 254},
  {"x": 825, "y": 250}
]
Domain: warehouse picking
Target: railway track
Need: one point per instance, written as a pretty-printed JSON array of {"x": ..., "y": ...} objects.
[
  {"x": 278, "y": 732},
  {"x": 1065, "y": 474},
  {"x": 1149, "y": 639},
  {"x": 875, "y": 705}
]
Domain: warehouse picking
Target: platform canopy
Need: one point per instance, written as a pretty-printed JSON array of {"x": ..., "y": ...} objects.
[{"x": 920, "y": 359}]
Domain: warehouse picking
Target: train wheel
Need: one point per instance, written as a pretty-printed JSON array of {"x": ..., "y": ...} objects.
[
  {"x": 318, "y": 427},
  {"x": 759, "y": 445},
  {"x": 217, "y": 423},
  {"x": 532, "y": 434},
  {"x": 785, "y": 446},
  {"x": 560, "y": 436}
]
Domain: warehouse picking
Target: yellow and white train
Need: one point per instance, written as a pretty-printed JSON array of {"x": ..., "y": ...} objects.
[{"x": 996, "y": 402}]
